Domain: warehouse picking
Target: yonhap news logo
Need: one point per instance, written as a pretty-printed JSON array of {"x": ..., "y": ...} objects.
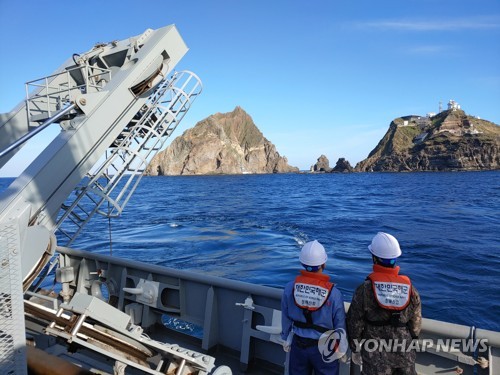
[
  {"x": 333, "y": 345},
  {"x": 421, "y": 345}
]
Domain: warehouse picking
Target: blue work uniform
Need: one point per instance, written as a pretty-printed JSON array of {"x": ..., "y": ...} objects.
[{"x": 328, "y": 315}]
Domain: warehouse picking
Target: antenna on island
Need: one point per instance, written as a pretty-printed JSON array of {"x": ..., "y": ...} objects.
[{"x": 440, "y": 106}]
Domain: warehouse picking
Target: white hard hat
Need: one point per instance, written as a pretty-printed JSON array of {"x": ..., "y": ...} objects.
[
  {"x": 313, "y": 254},
  {"x": 385, "y": 246}
]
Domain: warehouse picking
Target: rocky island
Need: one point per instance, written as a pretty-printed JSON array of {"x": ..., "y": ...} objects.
[
  {"x": 449, "y": 141},
  {"x": 323, "y": 165},
  {"x": 224, "y": 143},
  {"x": 231, "y": 143}
]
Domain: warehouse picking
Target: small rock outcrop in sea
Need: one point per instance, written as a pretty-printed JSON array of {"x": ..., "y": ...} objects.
[
  {"x": 224, "y": 143},
  {"x": 343, "y": 166},
  {"x": 322, "y": 165},
  {"x": 448, "y": 141}
]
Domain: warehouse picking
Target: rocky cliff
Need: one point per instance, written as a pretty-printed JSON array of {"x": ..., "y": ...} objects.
[
  {"x": 451, "y": 140},
  {"x": 224, "y": 143},
  {"x": 322, "y": 165},
  {"x": 343, "y": 166}
]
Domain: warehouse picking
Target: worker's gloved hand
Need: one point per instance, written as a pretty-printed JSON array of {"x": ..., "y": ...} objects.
[
  {"x": 356, "y": 358},
  {"x": 286, "y": 347}
]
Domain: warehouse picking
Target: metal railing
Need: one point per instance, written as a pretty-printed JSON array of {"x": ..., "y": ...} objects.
[
  {"x": 47, "y": 95},
  {"x": 115, "y": 179},
  {"x": 219, "y": 306}
]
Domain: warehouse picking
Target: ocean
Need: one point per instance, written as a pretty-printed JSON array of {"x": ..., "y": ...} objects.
[{"x": 251, "y": 228}]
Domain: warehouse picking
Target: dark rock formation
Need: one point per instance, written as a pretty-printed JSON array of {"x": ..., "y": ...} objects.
[
  {"x": 322, "y": 165},
  {"x": 451, "y": 140},
  {"x": 343, "y": 166},
  {"x": 224, "y": 143}
]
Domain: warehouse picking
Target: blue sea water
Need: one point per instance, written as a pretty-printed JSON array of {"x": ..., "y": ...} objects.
[{"x": 251, "y": 228}]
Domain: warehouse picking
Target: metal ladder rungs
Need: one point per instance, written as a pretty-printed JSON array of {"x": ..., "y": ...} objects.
[
  {"x": 76, "y": 217},
  {"x": 64, "y": 233},
  {"x": 132, "y": 150}
]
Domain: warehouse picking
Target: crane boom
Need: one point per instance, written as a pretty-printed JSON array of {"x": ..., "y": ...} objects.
[{"x": 106, "y": 96}]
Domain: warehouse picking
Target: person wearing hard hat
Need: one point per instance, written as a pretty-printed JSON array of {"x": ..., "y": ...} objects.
[
  {"x": 385, "y": 312},
  {"x": 313, "y": 317}
]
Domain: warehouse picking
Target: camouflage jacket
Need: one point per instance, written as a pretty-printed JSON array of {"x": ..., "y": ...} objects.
[{"x": 364, "y": 308}]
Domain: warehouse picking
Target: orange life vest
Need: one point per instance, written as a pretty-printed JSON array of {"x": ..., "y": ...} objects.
[
  {"x": 392, "y": 291},
  {"x": 311, "y": 290}
]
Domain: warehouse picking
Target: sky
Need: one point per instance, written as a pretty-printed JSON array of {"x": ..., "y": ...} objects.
[{"x": 322, "y": 77}]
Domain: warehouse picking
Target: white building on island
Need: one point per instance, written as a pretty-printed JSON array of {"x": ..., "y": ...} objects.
[{"x": 453, "y": 105}]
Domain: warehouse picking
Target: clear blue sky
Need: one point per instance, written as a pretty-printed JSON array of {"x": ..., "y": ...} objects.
[{"x": 318, "y": 77}]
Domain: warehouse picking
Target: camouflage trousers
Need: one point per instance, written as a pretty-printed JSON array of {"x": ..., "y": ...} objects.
[{"x": 381, "y": 369}]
